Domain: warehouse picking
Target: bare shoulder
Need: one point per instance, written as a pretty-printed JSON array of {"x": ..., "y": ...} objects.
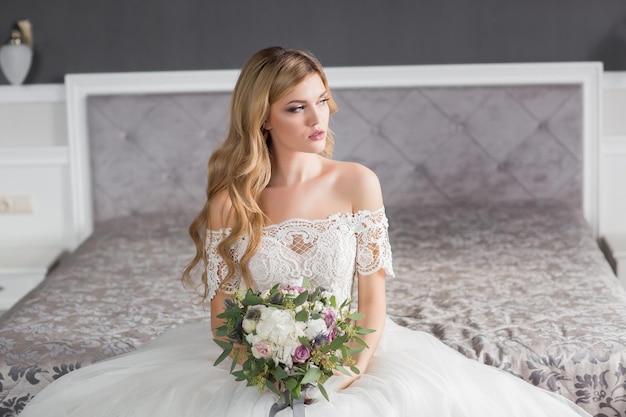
[
  {"x": 219, "y": 210},
  {"x": 360, "y": 184}
]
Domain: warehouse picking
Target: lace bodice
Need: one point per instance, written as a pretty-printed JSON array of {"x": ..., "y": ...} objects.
[{"x": 327, "y": 251}]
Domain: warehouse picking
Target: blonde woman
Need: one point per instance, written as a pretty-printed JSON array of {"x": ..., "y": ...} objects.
[{"x": 278, "y": 208}]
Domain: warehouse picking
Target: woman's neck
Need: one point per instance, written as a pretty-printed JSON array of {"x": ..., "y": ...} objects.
[{"x": 295, "y": 169}]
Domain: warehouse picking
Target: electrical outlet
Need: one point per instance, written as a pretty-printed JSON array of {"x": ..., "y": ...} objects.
[{"x": 16, "y": 204}]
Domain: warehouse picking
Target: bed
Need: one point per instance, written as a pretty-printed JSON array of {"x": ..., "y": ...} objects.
[{"x": 490, "y": 183}]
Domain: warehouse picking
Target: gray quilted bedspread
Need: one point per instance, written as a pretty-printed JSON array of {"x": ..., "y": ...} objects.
[{"x": 524, "y": 288}]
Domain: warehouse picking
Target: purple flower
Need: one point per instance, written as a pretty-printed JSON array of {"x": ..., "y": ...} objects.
[
  {"x": 329, "y": 318},
  {"x": 331, "y": 335},
  {"x": 301, "y": 354}
]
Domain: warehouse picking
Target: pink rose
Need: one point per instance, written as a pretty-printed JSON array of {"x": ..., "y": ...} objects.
[
  {"x": 301, "y": 354},
  {"x": 261, "y": 350}
]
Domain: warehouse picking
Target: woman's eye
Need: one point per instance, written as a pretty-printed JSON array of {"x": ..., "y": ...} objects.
[{"x": 297, "y": 109}]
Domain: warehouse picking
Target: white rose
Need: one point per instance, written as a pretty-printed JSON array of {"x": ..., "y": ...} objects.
[
  {"x": 248, "y": 325},
  {"x": 314, "y": 328},
  {"x": 317, "y": 307}
]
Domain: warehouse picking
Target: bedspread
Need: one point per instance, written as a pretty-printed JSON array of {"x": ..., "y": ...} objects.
[
  {"x": 119, "y": 289},
  {"x": 523, "y": 288}
]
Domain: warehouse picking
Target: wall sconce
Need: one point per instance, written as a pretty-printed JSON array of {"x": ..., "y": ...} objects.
[{"x": 17, "y": 54}]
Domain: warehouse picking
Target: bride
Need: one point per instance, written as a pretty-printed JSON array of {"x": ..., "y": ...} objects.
[{"x": 279, "y": 209}]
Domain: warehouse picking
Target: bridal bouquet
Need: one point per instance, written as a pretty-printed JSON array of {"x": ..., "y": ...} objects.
[{"x": 289, "y": 338}]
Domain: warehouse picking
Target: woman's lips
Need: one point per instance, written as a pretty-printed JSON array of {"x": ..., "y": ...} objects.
[{"x": 318, "y": 135}]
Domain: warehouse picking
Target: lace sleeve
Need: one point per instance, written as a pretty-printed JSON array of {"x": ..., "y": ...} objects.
[
  {"x": 373, "y": 248},
  {"x": 216, "y": 267}
]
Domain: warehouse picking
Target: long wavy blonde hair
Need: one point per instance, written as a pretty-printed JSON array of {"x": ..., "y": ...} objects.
[{"x": 241, "y": 165}]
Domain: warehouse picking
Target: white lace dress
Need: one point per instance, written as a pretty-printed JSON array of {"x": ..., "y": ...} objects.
[{"x": 411, "y": 374}]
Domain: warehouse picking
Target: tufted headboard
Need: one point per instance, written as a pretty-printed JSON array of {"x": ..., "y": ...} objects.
[{"x": 434, "y": 135}]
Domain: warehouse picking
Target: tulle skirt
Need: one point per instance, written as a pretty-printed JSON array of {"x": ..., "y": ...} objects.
[{"x": 412, "y": 374}]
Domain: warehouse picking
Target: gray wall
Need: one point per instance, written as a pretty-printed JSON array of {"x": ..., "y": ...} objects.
[{"x": 74, "y": 36}]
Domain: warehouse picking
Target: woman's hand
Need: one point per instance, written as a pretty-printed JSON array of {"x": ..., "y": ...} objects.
[
  {"x": 217, "y": 307},
  {"x": 344, "y": 380},
  {"x": 373, "y": 307}
]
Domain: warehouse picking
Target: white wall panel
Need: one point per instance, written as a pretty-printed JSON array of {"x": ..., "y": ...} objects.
[
  {"x": 31, "y": 123},
  {"x": 34, "y": 164},
  {"x": 48, "y": 187},
  {"x": 613, "y": 155},
  {"x": 613, "y": 185}
]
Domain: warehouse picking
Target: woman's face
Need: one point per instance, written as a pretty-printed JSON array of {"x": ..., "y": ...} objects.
[{"x": 298, "y": 122}]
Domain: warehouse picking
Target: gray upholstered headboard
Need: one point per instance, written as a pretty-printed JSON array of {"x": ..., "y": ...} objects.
[
  {"x": 427, "y": 145},
  {"x": 139, "y": 142}
]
